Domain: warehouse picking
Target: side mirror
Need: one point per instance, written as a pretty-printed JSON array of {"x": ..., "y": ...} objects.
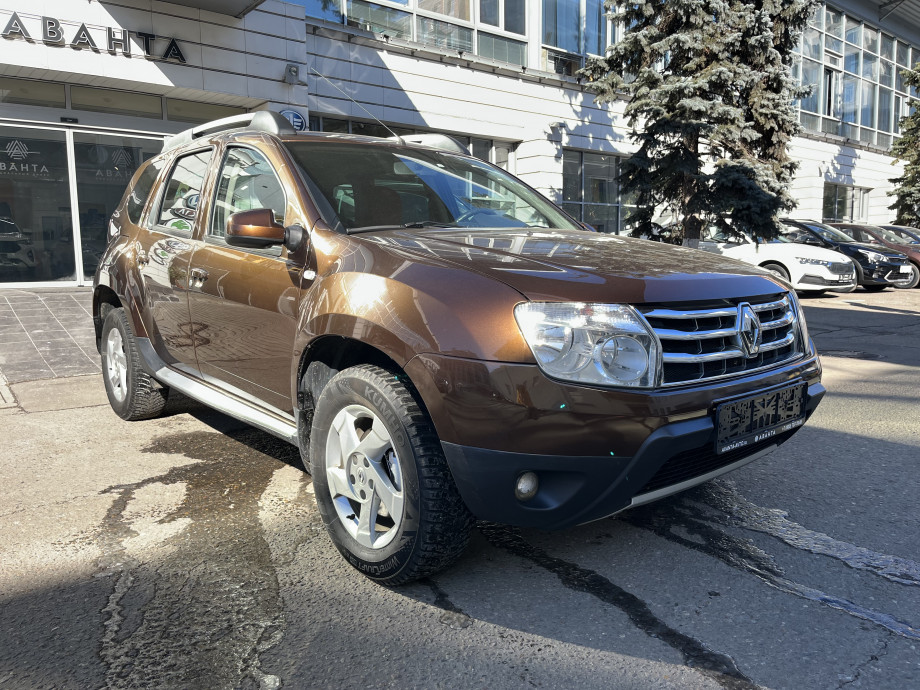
[
  {"x": 808, "y": 239},
  {"x": 254, "y": 229}
]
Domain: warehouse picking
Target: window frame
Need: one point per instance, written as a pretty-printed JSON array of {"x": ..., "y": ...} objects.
[
  {"x": 155, "y": 211},
  {"x": 273, "y": 252}
]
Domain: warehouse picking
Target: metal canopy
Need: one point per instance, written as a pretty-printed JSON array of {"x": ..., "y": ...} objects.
[
  {"x": 899, "y": 11},
  {"x": 234, "y": 8}
]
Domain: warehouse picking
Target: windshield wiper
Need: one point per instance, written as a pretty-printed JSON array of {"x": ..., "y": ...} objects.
[{"x": 429, "y": 224}]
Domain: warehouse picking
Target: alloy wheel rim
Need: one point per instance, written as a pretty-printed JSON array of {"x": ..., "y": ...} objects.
[
  {"x": 116, "y": 364},
  {"x": 364, "y": 477}
]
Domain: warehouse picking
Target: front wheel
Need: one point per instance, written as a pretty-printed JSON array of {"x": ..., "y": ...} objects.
[
  {"x": 777, "y": 270},
  {"x": 912, "y": 281},
  {"x": 381, "y": 482}
]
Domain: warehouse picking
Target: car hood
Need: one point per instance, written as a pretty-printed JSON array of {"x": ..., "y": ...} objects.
[
  {"x": 879, "y": 249},
  {"x": 792, "y": 250},
  {"x": 580, "y": 266}
]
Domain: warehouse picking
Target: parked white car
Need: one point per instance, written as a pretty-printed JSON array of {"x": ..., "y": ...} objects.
[{"x": 805, "y": 266}]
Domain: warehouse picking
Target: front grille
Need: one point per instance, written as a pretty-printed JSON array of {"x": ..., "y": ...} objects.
[
  {"x": 702, "y": 342},
  {"x": 840, "y": 268},
  {"x": 699, "y": 461}
]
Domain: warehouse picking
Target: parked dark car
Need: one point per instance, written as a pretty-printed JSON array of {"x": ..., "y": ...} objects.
[
  {"x": 441, "y": 341},
  {"x": 876, "y": 235},
  {"x": 907, "y": 234},
  {"x": 877, "y": 266}
]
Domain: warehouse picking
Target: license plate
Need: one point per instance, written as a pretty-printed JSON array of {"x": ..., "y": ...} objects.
[
  {"x": 750, "y": 420},
  {"x": 904, "y": 269}
]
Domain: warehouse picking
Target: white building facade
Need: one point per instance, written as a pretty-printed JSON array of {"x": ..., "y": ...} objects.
[{"x": 84, "y": 86}]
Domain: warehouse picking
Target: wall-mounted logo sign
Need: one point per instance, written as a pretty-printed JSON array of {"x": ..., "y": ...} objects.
[
  {"x": 117, "y": 40},
  {"x": 296, "y": 119}
]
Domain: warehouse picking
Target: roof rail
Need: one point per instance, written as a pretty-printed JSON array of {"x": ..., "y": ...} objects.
[
  {"x": 260, "y": 121},
  {"x": 434, "y": 140}
]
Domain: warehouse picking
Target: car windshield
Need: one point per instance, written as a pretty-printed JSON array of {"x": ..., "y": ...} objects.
[
  {"x": 369, "y": 187},
  {"x": 829, "y": 233}
]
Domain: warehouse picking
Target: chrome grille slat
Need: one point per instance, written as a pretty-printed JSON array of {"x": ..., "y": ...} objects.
[
  {"x": 702, "y": 343},
  {"x": 668, "y": 334}
]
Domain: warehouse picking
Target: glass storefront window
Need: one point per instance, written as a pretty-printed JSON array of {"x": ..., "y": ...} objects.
[
  {"x": 118, "y": 102},
  {"x": 105, "y": 164},
  {"x": 36, "y": 233},
  {"x": 28, "y": 92}
]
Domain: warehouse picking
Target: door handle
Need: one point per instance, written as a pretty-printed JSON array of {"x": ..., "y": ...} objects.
[{"x": 198, "y": 276}]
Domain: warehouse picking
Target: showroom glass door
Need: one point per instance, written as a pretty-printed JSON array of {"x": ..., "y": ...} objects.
[
  {"x": 36, "y": 228},
  {"x": 105, "y": 164}
]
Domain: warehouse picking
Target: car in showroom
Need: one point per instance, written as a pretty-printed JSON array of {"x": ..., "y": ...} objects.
[
  {"x": 876, "y": 235},
  {"x": 441, "y": 342},
  {"x": 807, "y": 268},
  {"x": 877, "y": 267}
]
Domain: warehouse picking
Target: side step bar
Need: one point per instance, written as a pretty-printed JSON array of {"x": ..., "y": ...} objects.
[{"x": 283, "y": 428}]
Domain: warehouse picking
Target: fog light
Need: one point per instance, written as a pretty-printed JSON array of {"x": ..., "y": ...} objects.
[{"x": 526, "y": 486}]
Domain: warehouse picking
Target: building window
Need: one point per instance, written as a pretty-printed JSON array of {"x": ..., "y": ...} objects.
[
  {"x": 28, "y": 92},
  {"x": 379, "y": 19},
  {"x": 502, "y": 49},
  {"x": 843, "y": 203},
  {"x": 590, "y": 191},
  {"x": 854, "y": 71}
]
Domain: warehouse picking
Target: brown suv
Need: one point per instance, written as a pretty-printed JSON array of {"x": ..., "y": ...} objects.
[{"x": 441, "y": 342}]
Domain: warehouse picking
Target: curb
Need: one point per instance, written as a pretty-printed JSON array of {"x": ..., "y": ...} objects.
[{"x": 7, "y": 399}]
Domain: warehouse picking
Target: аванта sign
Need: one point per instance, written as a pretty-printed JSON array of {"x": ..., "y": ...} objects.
[{"x": 116, "y": 39}]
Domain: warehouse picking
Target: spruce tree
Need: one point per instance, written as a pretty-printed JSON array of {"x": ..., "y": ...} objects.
[
  {"x": 907, "y": 149},
  {"x": 710, "y": 103}
]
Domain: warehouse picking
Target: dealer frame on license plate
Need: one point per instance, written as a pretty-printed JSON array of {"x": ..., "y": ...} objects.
[{"x": 756, "y": 418}]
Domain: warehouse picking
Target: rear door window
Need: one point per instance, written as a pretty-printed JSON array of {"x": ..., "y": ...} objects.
[{"x": 179, "y": 205}]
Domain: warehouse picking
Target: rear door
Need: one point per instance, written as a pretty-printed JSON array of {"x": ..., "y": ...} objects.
[
  {"x": 163, "y": 253},
  {"x": 244, "y": 302}
]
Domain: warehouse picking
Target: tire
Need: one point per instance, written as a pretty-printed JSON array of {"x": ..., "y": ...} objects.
[
  {"x": 875, "y": 288},
  {"x": 381, "y": 482},
  {"x": 778, "y": 270},
  {"x": 133, "y": 394},
  {"x": 913, "y": 281}
]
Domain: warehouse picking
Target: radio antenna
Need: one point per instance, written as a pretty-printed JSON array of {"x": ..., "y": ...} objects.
[{"x": 344, "y": 93}]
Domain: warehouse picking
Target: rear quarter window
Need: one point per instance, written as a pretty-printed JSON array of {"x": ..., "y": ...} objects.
[{"x": 138, "y": 195}]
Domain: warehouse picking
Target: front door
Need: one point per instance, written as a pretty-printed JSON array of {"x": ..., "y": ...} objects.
[{"x": 244, "y": 302}]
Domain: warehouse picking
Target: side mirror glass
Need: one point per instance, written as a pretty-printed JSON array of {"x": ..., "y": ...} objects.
[{"x": 254, "y": 229}]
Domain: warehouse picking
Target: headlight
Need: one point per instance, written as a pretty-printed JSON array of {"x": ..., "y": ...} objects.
[
  {"x": 604, "y": 344},
  {"x": 813, "y": 262},
  {"x": 872, "y": 257},
  {"x": 808, "y": 346}
]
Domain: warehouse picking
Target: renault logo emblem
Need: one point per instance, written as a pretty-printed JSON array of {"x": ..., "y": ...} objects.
[{"x": 750, "y": 332}]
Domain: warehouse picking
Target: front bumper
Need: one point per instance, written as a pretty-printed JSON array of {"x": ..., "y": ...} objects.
[
  {"x": 595, "y": 451},
  {"x": 578, "y": 489},
  {"x": 885, "y": 274}
]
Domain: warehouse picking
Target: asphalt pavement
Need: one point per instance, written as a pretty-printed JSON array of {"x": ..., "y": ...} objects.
[{"x": 187, "y": 552}]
